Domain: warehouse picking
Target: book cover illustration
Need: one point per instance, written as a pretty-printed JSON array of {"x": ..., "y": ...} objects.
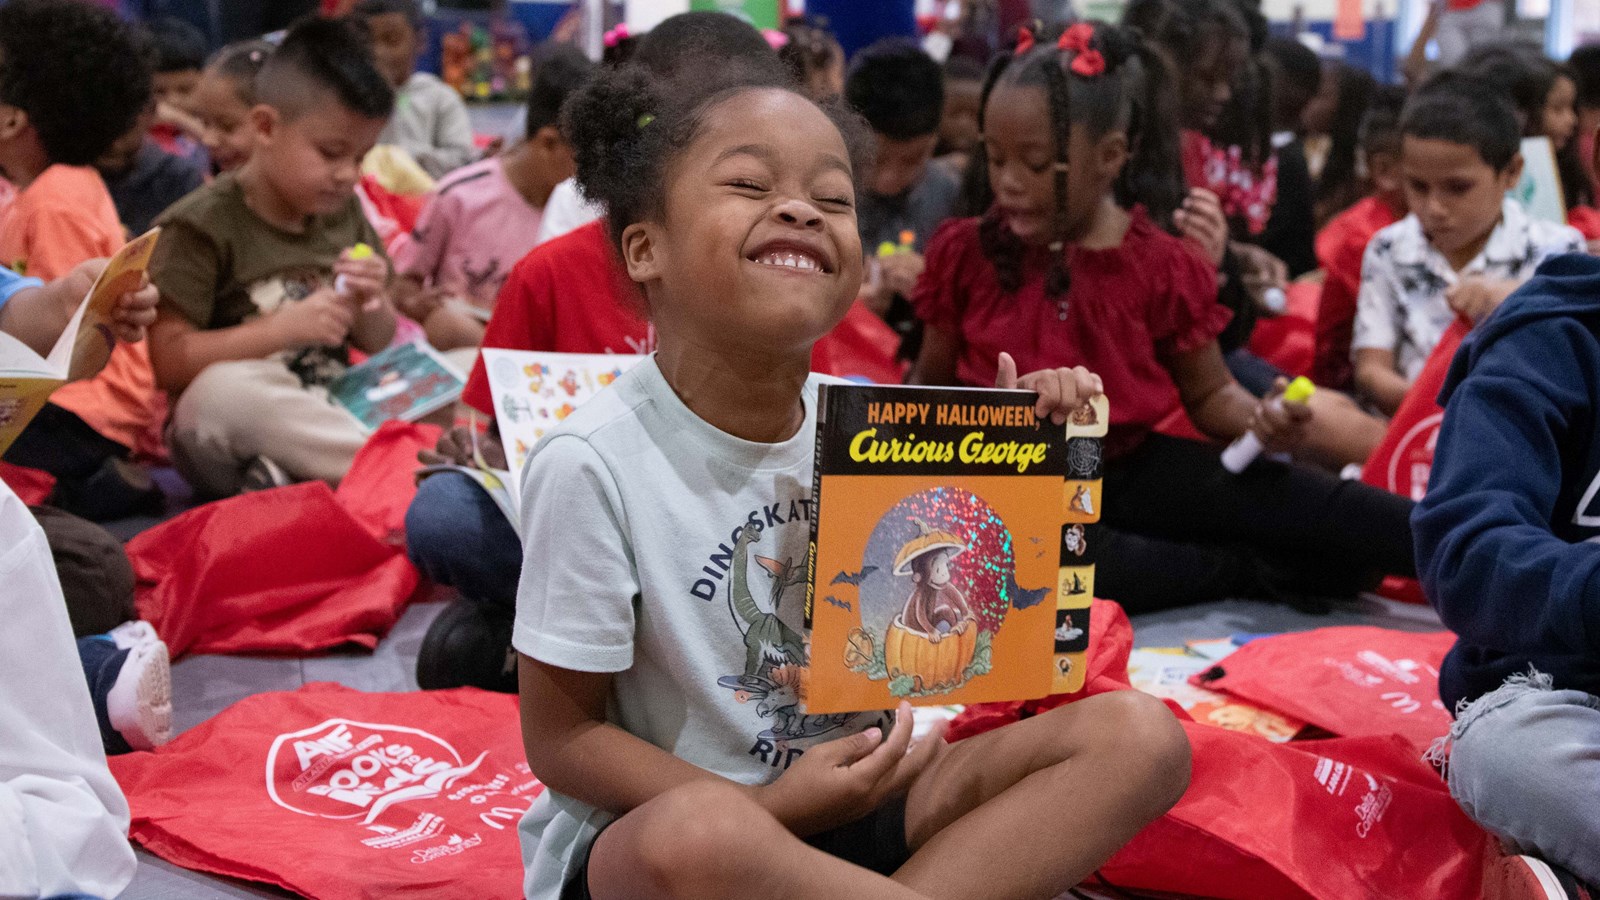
[
  {"x": 534, "y": 391},
  {"x": 1086, "y": 431},
  {"x": 27, "y": 380},
  {"x": 934, "y": 568},
  {"x": 1166, "y": 672},
  {"x": 406, "y": 382}
]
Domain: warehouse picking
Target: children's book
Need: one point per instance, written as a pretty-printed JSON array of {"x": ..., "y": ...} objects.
[
  {"x": 951, "y": 552},
  {"x": 533, "y": 391},
  {"x": 1165, "y": 672},
  {"x": 1539, "y": 190},
  {"x": 406, "y": 382},
  {"x": 27, "y": 380}
]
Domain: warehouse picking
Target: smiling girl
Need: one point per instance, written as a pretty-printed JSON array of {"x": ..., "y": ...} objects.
[{"x": 659, "y": 696}]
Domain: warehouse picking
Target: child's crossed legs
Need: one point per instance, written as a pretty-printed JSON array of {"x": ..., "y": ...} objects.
[{"x": 1028, "y": 810}]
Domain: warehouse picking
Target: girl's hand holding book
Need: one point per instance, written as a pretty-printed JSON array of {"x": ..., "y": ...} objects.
[
  {"x": 840, "y": 781},
  {"x": 1060, "y": 390}
]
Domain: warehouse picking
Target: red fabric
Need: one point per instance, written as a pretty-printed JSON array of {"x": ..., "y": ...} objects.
[
  {"x": 1351, "y": 681},
  {"x": 569, "y": 295},
  {"x": 861, "y": 346},
  {"x": 1586, "y": 219},
  {"x": 1129, "y": 308},
  {"x": 403, "y": 209},
  {"x": 1404, "y": 458},
  {"x": 382, "y": 478},
  {"x": 341, "y": 795},
  {"x": 1340, "y": 247},
  {"x": 1330, "y": 820},
  {"x": 289, "y": 570},
  {"x": 1110, "y": 643},
  {"x": 1288, "y": 340},
  {"x": 32, "y": 486},
  {"x": 1247, "y": 194}
]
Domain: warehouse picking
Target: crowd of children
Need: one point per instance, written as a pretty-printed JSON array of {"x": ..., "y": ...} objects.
[{"x": 1095, "y": 208}]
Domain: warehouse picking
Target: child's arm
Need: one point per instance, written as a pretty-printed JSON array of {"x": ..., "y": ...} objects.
[
  {"x": 179, "y": 351},
  {"x": 936, "y": 361},
  {"x": 449, "y": 328},
  {"x": 1223, "y": 410},
  {"x": 36, "y": 316},
  {"x": 1488, "y": 554},
  {"x": 1377, "y": 378}
]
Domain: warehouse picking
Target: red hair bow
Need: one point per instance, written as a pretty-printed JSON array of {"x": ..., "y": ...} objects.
[
  {"x": 1088, "y": 64},
  {"x": 1076, "y": 38},
  {"x": 1024, "y": 41}
]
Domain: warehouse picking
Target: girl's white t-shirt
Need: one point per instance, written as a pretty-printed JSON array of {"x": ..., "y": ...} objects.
[{"x": 673, "y": 554}]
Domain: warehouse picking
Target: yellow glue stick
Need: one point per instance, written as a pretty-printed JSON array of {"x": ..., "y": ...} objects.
[
  {"x": 1299, "y": 390},
  {"x": 886, "y": 249},
  {"x": 359, "y": 251},
  {"x": 1246, "y": 447}
]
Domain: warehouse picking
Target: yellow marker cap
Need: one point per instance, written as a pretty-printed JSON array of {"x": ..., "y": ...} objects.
[
  {"x": 360, "y": 251},
  {"x": 1299, "y": 390},
  {"x": 887, "y": 249}
]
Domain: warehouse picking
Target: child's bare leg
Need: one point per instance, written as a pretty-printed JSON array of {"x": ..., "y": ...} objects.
[
  {"x": 1341, "y": 432},
  {"x": 1031, "y": 809},
  {"x": 713, "y": 842}
]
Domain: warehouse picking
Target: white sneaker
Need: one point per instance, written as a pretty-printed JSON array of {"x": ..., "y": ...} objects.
[
  {"x": 132, "y": 634},
  {"x": 139, "y": 704}
]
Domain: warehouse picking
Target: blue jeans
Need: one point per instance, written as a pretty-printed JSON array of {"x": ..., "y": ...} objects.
[
  {"x": 1525, "y": 764},
  {"x": 457, "y": 536}
]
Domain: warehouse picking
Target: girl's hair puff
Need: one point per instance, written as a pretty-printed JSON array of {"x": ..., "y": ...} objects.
[
  {"x": 1132, "y": 95},
  {"x": 626, "y": 132},
  {"x": 240, "y": 63}
]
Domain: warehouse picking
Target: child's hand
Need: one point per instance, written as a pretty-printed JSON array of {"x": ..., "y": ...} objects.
[
  {"x": 1201, "y": 221},
  {"x": 1280, "y": 424},
  {"x": 457, "y": 447},
  {"x": 362, "y": 276},
  {"x": 420, "y": 303},
  {"x": 320, "y": 320},
  {"x": 899, "y": 273},
  {"x": 1060, "y": 390},
  {"x": 135, "y": 311},
  {"x": 1260, "y": 270},
  {"x": 842, "y": 780},
  {"x": 1476, "y": 298}
]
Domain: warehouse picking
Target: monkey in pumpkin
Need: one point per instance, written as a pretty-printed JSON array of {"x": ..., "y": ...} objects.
[{"x": 936, "y": 607}]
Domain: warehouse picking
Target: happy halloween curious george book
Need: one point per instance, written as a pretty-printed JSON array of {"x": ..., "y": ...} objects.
[{"x": 950, "y": 557}]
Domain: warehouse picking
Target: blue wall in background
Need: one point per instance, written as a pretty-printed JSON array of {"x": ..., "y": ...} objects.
[
  {"x": 1374, "y": 52},
  {"x": 860, "y": 22}
]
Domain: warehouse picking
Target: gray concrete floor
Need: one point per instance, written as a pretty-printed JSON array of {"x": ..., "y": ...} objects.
[{"x": 205, "y": 685}]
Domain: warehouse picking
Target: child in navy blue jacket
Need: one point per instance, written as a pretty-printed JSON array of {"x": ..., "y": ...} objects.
[{"x": 1508, "y": 549}]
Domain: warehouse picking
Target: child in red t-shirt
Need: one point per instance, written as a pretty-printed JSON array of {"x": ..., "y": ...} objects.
[
  {"x": 1061, "y": 264},
  {"x": 1343, "y": 242}
]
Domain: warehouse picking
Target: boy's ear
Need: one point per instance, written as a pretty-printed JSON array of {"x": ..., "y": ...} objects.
[
  {"x": 264, "y": 120},
  {"x": 1512, "y": 173},
  {"x": 641, "y": 246},
  {"x": 549, "y": 138},
  {"x": 13, "y": 121}
]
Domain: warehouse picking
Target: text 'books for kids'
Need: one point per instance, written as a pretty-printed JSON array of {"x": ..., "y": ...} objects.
[
  {"x": 951, "y": 552},
  {"x": 27, "y": 380}
]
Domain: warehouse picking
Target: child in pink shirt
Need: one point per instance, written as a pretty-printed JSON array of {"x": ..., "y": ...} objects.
[{"x": 484, "y": 217}]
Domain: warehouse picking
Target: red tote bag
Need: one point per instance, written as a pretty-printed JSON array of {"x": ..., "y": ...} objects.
[
  {"x": 1350, "y": 681},
  {"x": 1342, "y": 819},
  {"x": 337, "y": 794}
]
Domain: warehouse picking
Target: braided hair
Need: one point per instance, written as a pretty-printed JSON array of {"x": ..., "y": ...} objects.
[{"x": 1106, "y": 79}]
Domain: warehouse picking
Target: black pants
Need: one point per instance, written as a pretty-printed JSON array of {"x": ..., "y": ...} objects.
[
  {"x": 1179, "y": 529},
  {"x": 92, "y": 479}
]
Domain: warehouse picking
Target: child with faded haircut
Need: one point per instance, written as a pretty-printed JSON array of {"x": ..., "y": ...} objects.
[{"x": 261, "y": 293}]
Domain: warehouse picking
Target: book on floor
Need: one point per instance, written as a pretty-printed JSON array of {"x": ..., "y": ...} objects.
[
  {"x": 405, "y": 381},
  {"x": 28, "y": 379},
  {"x": 951, "y": 552}
]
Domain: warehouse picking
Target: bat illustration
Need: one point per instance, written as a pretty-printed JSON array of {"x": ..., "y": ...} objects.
[
  {"x": 854, "y": 578},
  {"x": 1036, "y": 539},
  {"x": 837, "y": 602},
  {"x": 1021, "y": 597}
]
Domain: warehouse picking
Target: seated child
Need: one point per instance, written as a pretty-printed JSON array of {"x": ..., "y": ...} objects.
[
  {"x": 223, "y": 100},
  {"x": 661, "y": 783},
  {"x": 1291, "y": 230},
  {"x": 958, "y": 124},
  {"x": 73, "y": 79},
  {"x": 261, "y": 295},
  {"x": 1464, "y": 247},
  {"x": 689, "y": 48},
  {"x": 484, "y": 217},
  {"x": 430, "y": 119},
  {"x": 1343, "y": 241},
  {"x": 570, "y": 295},
  {"x": 1074, "y": 262},
  {"x": 180, "y": 55},
  {"x": 814, "y": 58},
  {"x": 899, "y": 90},
  {"x": 142, "y": 178},
  {"x": 1506, "y": 550}
]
